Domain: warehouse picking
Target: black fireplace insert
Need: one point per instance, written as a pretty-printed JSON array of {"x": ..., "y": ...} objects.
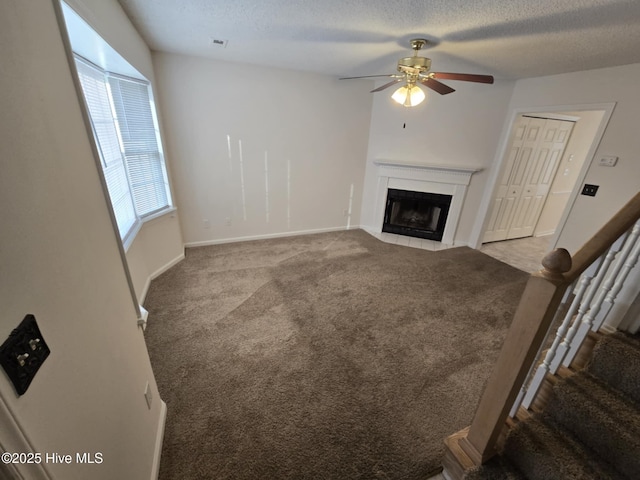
[{"x": 416, "y": 214}]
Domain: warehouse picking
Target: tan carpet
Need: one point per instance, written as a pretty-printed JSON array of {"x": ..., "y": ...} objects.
[{"x": 329, "y": 356}]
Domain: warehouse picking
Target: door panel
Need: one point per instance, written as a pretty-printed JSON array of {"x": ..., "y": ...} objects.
[
  {"x": 504, "y": 200},
  {"x": 543, "y": 166},
  {"x": 512, "y": 180},
  {"x": 535, "y": 149}
]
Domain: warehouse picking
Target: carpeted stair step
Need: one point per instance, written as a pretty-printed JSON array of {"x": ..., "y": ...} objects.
[
  {"x": 543, "y": 451},
  {"x": 590, "y": 428},
  {"x": 603, "y": 420},
  {"x": 498, "y": 468},
  {"x": 616, "y": 361}
]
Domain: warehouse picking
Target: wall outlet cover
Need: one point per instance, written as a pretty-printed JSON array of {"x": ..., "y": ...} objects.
[{"x": 608, "y": 161}]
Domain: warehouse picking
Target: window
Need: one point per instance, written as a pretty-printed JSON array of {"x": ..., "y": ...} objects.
[{"x": 127, "y": 137}]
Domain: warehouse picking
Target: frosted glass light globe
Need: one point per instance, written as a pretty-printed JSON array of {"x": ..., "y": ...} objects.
[{"x": 409, "y": 96}]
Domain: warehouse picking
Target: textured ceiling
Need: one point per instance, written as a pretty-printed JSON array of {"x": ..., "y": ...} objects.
[{"x": 506, "y": 38}]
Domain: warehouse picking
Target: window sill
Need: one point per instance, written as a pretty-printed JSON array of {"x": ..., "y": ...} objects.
[
  {"x": 129, "y": 239},
  {"x": 159, "y": 214}
]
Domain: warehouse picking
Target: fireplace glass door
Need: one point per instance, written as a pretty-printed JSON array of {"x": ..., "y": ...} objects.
[{"x": 416, "y": 214}]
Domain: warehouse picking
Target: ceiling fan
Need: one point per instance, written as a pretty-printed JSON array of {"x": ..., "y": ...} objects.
[{"x": 416, "y": 69}]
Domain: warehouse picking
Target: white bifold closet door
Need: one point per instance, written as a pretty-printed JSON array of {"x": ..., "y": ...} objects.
[{"x": 535, "y": 149}]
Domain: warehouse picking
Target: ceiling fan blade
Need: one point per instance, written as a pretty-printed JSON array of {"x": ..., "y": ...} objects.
[
  {"x": 465, "y": 77},
  {"x": 369, "y": 76},
  {"x": 387, "y": 85},
  {"x": 435, "y": 85}
]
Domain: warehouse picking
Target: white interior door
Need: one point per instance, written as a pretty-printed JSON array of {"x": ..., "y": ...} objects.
[{"x": 535, "y": 149}]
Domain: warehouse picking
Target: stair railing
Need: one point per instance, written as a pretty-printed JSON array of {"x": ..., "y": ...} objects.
[
  {"x": 601, "y": 282},
  {"x": 581, "y": 291}
]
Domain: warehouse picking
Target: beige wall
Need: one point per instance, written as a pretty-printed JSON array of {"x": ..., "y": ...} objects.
[
  {"x": 157, "y": 247},
  {"x": 261, "y": 151},
  {"x": 585, "y": 215},
  {"x": 462, "y": 128},
  {"x": 60, "y": 261},
  {"x": 569, "y": 170},
  {"x": 621, "y": 139}
]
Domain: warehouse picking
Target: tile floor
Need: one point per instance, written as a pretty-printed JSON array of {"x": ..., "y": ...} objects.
[
  {"x": 523, "y": 253},
  {"x": 410, "y": 241}
]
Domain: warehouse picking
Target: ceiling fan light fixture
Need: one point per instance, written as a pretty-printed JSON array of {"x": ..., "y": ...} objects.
[{"x": 408, "y": 95}]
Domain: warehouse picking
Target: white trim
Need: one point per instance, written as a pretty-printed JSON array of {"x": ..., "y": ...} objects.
[
  {"x": 131, "y": 235},
  {"x": 553, "y": 116},
  {"x": 482, "y": 217},
  {"x": 155, "y": 467},
  {"x": 142, "y": 319},
  {"x": 14, "y": 438},
  {"x": 429, "y": 178},
  {"x": 158, "y": 214},
  {"x": 607, "y": 329},
  {"x": 544, "y": 233},
  {"x": 437, "y": 173},
  {"x": 157, "y": 273},
  {"x": 221, "y": 241},
  {"x": 465, "y": 170}
]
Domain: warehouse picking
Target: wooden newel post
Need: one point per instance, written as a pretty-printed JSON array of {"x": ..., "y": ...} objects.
[
  {"x": 532, "y": 319},
  {"x": 555, "y": 264}
]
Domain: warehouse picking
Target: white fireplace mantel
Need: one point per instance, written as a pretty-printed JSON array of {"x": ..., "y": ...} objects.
[
  {"x": 453, "y": 174},
  {"x": 428, "y": 178}
]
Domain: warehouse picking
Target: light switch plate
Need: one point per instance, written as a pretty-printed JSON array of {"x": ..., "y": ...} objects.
[
  {"x": 590, "y": 190},
  {"x": 23, "y": 353}
]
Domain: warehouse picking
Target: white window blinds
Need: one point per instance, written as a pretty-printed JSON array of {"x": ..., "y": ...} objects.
[
  {"x": 127, "y": 138},
  {"x": 140, "y": 143},
  {"x": 96, "y": 94}
]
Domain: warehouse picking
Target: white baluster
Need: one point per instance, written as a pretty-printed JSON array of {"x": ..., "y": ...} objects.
[
  {"x": 590, "y": 281},
  {"x": 529, "y": 392},
  {"x": 583, "y": 285},
  {"x": 594, "y": 306},
  {"x": 612, "y": 286},
  {"x": 593, "y": 277},
  {"x": 525, "y": 385}
]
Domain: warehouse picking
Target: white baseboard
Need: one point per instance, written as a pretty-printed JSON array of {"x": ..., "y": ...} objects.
[
  {"x": 155, "y": 467},
  {"x": 221, "y": 241},
  {"x": 608, "y": 329},
  {"x": 15, "y": 438},
  {"x": 157, "y": 273},
  {"x": 370, "y": 230}
]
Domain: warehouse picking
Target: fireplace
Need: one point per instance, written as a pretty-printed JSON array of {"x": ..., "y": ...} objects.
[
  {"x": 416, "y": 214},
  {"x": 435, "y": 180}
]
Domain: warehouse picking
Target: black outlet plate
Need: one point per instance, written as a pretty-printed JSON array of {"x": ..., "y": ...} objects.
[
  {"x": 25, "y": 339},
  {"x": 590, "y": 190}
]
